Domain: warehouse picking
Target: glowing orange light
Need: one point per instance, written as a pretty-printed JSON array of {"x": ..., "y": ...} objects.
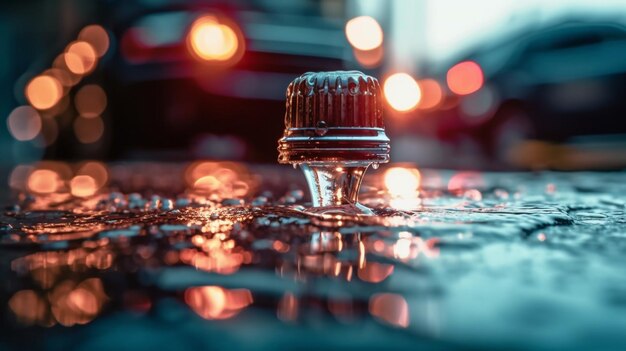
[
  {"x": 90, "y": 101},
  {"x": 24, "y": 123},
  {"x": 465, "y": 180},
  {"x": 402, "y": 92},
  {"x": 97, "y": 37},
  {"x": 374, "y": 272},
  {"x": 95, "y": 170},
  {"x": 80, "y": 57},
  {"x": 465, "y": 78},
  {"x": 431, "y": 94},
  {"x": 88, "y": 130},
  {"x": 44, "y": 181},
  {"x": 401, "y": 181},
  {"x": 364, "y": 33},
  {"x": 210, "y": 40},
  {"x": 390, "y": 308},
  {"x": 369, "y": 58},
  {"x": 43, "y": 92},
  {"x": 214, "y": 302},
  {"x": 83, "y": 186},
  {"x": 28, "y": 307}
]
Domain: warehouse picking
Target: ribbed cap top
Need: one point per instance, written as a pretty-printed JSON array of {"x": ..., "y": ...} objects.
[{"x": 334, "y": 99}]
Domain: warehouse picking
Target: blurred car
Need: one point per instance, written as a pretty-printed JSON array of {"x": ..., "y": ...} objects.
[
  {"x": 211, "y": 77},
  {"x": 558, "y": 84}
]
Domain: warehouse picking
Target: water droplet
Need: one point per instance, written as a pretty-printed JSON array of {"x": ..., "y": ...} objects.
[
  {"x": 321, "y": 128},
  {"x": 375, "y": 165},
  {"x": 295, "y": 165}
]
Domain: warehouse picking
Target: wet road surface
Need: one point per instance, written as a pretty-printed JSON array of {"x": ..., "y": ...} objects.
[{"x": 224, "y": 255}]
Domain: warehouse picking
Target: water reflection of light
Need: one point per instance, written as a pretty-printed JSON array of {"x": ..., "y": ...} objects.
[
  {"x": 211, "y": 40},
  {"x": 77, "y": 304},
  {"x": 68, "y": 303},
  {"x": 43, "y": 92},
  {"x": 80, "y": 57},
  {"x": 364, "y": 33},
  {"x": 374, "y": 272},
  {"x": 44, "y": 181},
  {"x": 83, "y": 186},
  {"x": 96, "y": 36},
  {"x": 217, "y": 253},
  {"x": 28, "y": 307},
  {"x": 24, "y": 123},
  {"x": 214, "y": 302},
  {"x": 390, "y": 308},
  {"x": 90, "y": 101},
  {"x": 287, "y": 308},
  {"x": 402, "y": 92},
  {"x": 465, "y": 78},
  {"x": 223, "y": 179}
]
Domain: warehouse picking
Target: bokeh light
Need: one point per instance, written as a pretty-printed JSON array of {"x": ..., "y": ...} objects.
[
  {"x": 88, "y": 130},
  {"x": 43, "y": 92},
  {"x": 465, "y": 78},
  {"x": 369, "y": 58},
  {"x": 44, "y": 181},
  {"x": 96, "y": 36},
  {"x": 400, "y": 181},
  {"x": 24, "y": 123},
  {"x": 80, "y": 57},
  {"x": 96, "y": 170},
  {"x": 83, "y": 186},
  {"x": 364, "y": 33},
  {"x": 402, "y": 92},
  {"x": 431, "y": 94},
  {"x": 90, "y": 101},
  {"x": 19, "y": 176},
  {"x": 210, "y": 40}
]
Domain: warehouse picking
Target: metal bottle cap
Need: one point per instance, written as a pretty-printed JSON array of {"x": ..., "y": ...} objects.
[{"x": 334, "y": 117}]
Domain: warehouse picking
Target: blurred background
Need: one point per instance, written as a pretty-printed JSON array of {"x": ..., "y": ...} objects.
[{"x": 480, "y": 84}]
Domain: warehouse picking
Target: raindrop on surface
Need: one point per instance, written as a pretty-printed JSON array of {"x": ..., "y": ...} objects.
[
  {"x": 321, "y": 128},
  {"x": 295, "y": 166},
  {"x": 375, "y": 165}
]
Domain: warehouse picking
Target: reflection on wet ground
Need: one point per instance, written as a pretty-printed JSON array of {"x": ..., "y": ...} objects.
[{"x": 225, "y": 255}]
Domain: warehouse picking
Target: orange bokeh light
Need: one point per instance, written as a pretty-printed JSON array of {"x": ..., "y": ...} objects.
[
  {"x": 431, "y": 94},
  {"x": 44, "y": 181},
  {"x": 465, "y": 78},
  {"x": 88, "y": 130},
  {"x": 44, "y": 91},
  {"x": 97, "y": 37},
  {"x": 83, "y": 186},
  {"x": 90, "y": 101},
  {"x": 364, "y": 33},
  {"x": 24, "y": 123},
  {"x": 211, "y": 40},
  {"x": 95, "y": 170},
  {"x": 402, "y": 92},
  {"x": 369, "y": 58},
  {"x": 80, "y": 57}
]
